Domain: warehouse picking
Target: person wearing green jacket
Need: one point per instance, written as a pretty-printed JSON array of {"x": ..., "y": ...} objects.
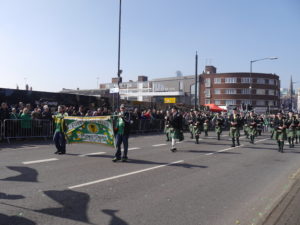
[
  {"x": 59, "y": 134},
  {"x": 25, "y": 122}
]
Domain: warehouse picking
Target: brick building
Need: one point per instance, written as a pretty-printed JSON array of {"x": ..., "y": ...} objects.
[{"x": 260, "y": 90}]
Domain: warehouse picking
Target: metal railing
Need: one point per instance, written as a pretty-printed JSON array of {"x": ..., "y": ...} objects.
[
  {"x": 27, "y": 129},
  {"x": 147, "y": 126}
]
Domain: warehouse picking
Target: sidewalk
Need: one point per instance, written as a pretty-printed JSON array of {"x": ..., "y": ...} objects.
[{"x": 288, "y": 210}]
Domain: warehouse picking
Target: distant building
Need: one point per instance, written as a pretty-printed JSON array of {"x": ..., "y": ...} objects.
[
  {"x": 156, "y": 90},
  {"x": 260, "y": 90},
  {"x": 288, "y": 97},
  {"x": 298, "y": 100}
]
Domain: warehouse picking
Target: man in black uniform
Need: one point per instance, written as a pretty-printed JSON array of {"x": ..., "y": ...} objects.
[
  {"x": 219, "y": 121},
  {"x": 176, "y": 127},
  {"x": 280, "y": 125},
  {"x": 252, "y": 126},
  {"x": 235, "y": 125}
]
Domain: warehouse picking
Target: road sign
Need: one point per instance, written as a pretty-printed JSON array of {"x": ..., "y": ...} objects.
[
  {"x": 169, "y": 100},
  {"x": 114, "y": 90}
]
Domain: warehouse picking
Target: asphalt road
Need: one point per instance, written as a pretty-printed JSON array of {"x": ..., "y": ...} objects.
[{"x": 206, "y": 184}]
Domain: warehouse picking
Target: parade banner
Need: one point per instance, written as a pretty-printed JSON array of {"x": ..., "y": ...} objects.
[{"x": 98, "y": 130}]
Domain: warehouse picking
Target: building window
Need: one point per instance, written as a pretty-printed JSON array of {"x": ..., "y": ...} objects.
[
  {"x": 207, "y": 93},
  {"x": 230, "y": 91},
  {"x": 230, "y": 80},
  {"x": 246, "y": 80},
  {"x": 271, "y": 103},
  {"x": 246, "y": 101},
  {"x": 207, "y": 82},
  {"x": 261, "y": 81},
  {"x": 180, "y": 86},
  {"x": 207, "y": 101},
  {"x": 271, "y": 92},
  {"x": 217, "y": 102},
  {"x": 217, "y": 91},
  {"x": 246, "y": 91},
  {"x": 271, "y": 82},
  {"x": 230, "y": 102},
  {"x": 260, "y": 91},
  {"x": 217, "y": 80},
  {"x": 260, "y": 102}
]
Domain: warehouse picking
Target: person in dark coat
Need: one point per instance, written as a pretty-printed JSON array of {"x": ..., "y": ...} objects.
[
  {"x": 176, "y": 124},
  {"x": 4, "y": 112},
  {"x": 122, "y": 131}
]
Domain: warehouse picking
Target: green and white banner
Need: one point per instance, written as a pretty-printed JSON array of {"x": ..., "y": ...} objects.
[{"x": 98, "y": 129}]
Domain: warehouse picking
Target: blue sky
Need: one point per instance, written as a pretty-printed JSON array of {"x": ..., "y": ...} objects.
[{"x": 69, "y": 43}]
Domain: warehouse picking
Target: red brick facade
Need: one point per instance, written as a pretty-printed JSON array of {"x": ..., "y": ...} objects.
[{"x": 235, "y": 88}]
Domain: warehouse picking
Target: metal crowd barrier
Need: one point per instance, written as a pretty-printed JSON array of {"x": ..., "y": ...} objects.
[
  {"x": 1, "y": 130},
  {"x": 147, "y": 126},
  {"x": 27, "y": 129}
]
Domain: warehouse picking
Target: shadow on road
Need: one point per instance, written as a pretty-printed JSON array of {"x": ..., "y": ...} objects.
[
  {"x": 74, "y": 205},
  {"x": 115, "y": 220},
  {"x": 10, "y": 197},
  {"x": 14, "y": 220},
  {"x": 185, "y": 165},
  {"x": 27, "y": 174}
]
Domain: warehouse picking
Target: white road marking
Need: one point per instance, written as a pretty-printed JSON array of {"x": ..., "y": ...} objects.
[
  {"x": 93, "y": 153},
  {"x": 224, "y": 150},
  {"x": 131, "y": 149},
  {"x": 262, "y": 140},
  {"x": 39, "y": 161},
  {"x": 123, "y": 175},
  {"x": 158, "y": 145}
]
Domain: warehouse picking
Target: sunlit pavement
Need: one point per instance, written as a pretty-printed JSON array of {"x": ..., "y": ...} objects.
[{"x": 209, "y": 183}]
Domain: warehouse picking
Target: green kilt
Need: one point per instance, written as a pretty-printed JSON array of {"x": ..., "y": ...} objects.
[
  {"x": 196, "y": 130},
  {"x": 205, "y": 127},
  {"x": 191, "y": 128},
  {"x": 176, "y": 134},
  {"x": 234, "y": 132},
  {"x": 167, "y": 131},
  {"x": 291, "y": 133},
  {"x": 246, "y": 129},
  {"x": 252, "y": 130},
  {"x": 298, "y": 132},
  {"x": 281, "y": 135},
  {"x": 218, "y": 129}
]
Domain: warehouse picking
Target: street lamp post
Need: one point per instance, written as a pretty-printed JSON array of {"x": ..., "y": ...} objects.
[
  {"x": 251, "y": 62},
  {"x": 196, "y": 79},
  {"x": 119, "y": 54}
]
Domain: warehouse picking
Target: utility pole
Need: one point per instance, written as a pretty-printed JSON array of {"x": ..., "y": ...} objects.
[
  {"x": 119, "y": 55},
  {"x": 196, "y": 80}
]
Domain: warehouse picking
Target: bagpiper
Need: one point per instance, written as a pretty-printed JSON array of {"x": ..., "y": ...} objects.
[
  {"x": 291, "y": 130},
  {"x": 176, "y": 127},
  {"x": 206, "y": 124},
  {"x": 297, "y": 129},
  {"x": 190, "y": 119},
  {"x": 260, "y": 125},
  {"x": 197, "y": 126},
  {"x": 235, "y": 124},
  {"x": 252, "y": 122},
  {"x": 280, "y": 126},
  {"x": 219, "y": 121},
  {"x": 167, "y": 126},
  {"x": 272, "y": 120}
]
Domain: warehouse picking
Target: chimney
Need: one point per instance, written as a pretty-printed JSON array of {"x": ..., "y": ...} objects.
[
  {"x": 142, "y": 78},
  {"x": 210, "y": 70}
]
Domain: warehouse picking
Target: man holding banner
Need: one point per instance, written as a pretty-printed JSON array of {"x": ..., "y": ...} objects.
[
  {"x": 122, "y": 130},
  {"x": 59, "y": 135}
]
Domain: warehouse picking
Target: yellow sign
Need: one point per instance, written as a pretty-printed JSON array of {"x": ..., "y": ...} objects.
[{"x": 169, "y": 100}]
